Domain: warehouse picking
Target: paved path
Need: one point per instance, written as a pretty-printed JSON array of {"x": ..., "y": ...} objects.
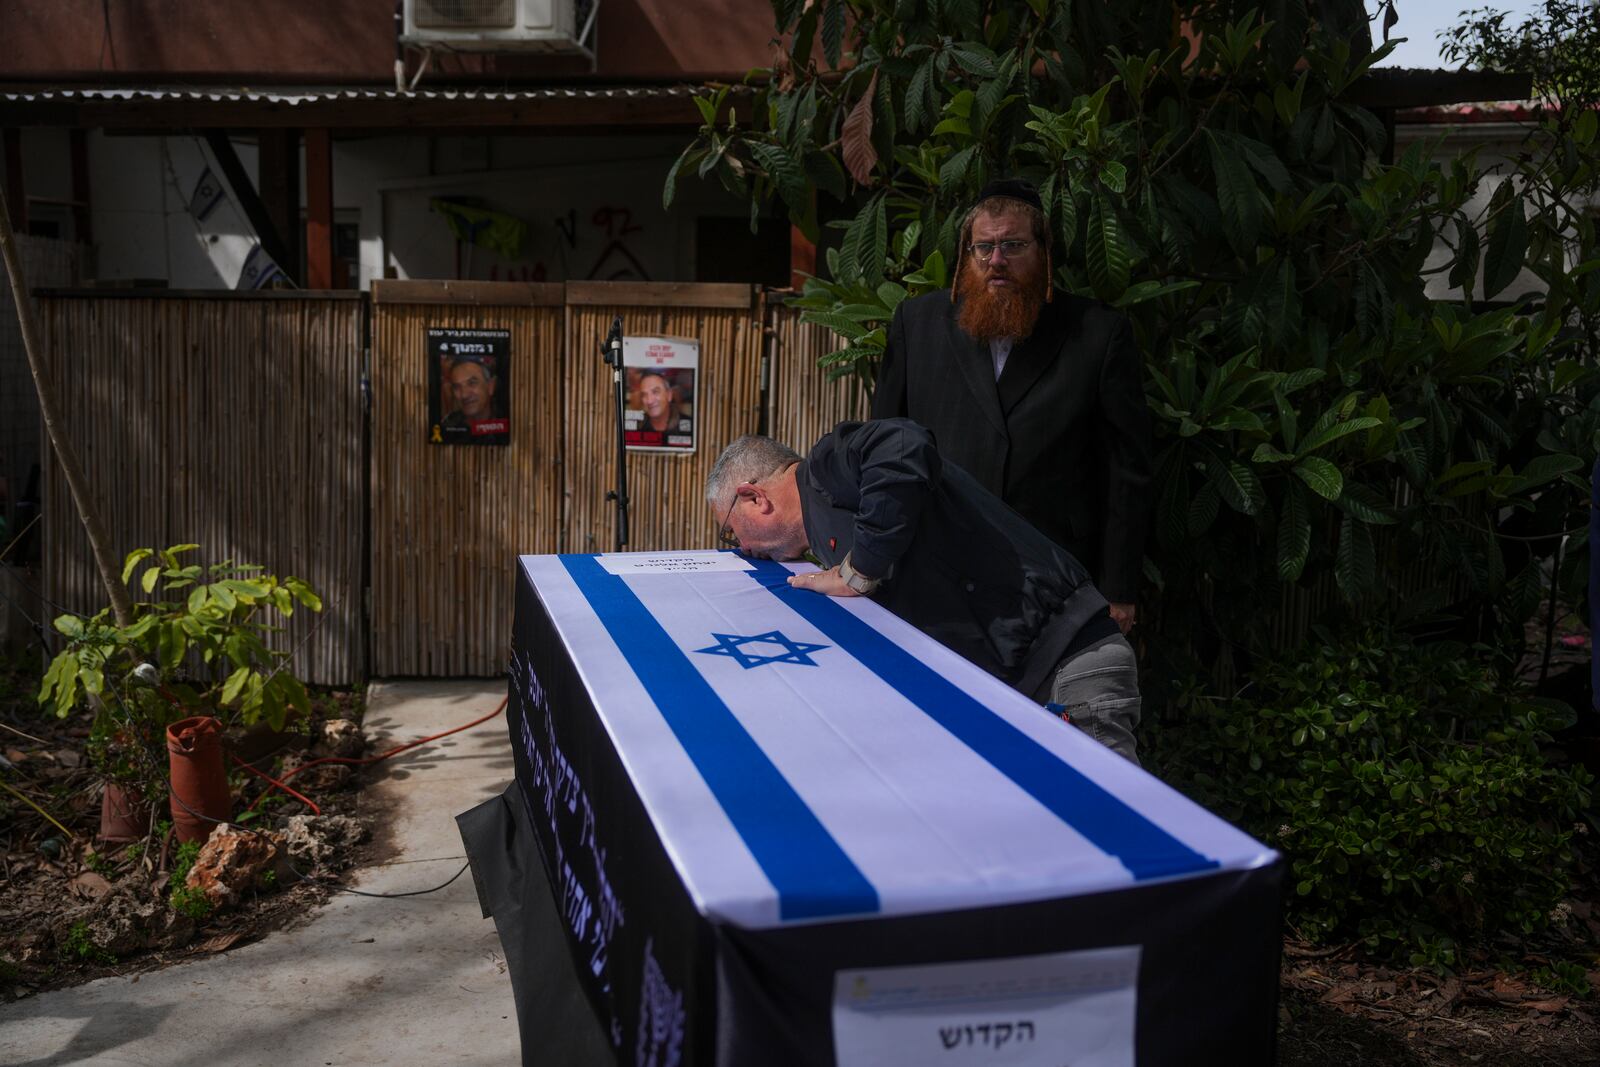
[{"x": 414, "y": 981}]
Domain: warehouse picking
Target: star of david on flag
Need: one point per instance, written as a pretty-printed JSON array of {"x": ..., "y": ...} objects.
[{"x": 734, "y": 645}]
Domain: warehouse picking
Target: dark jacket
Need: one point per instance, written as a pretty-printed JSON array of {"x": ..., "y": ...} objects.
[
  {"x": 1063, "y": 437},
  {"x": 956, "y": 563}
]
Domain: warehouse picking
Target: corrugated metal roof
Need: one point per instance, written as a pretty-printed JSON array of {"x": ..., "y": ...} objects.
[{"x": 294, "y": 97}]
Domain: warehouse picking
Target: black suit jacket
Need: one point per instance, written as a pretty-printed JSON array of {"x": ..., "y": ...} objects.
[
  {"x": 955, "y": 562},
  {"x": 1063, "y": 437}
]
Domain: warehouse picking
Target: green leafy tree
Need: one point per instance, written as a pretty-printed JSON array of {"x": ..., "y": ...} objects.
[{"x": 1324, "y": 425}]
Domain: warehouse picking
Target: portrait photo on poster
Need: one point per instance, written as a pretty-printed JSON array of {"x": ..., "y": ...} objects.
[
  {"x": 660, "y": 378},
  {"x": 469, "y": 386}
]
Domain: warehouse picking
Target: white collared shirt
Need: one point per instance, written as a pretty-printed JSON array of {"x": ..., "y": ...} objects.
[{"x": 1000, "y": 349}]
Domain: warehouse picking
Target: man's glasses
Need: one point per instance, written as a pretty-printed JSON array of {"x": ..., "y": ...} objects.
[
  {"x": 983, "y": 251},
  {"x": 725, "y": 533}
]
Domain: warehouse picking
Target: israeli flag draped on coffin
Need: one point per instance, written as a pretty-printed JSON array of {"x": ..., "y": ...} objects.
[{"x": 758, "y": 808}]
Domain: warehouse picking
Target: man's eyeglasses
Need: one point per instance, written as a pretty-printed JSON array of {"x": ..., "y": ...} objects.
[
  {"x": 725, "y": 533},
  {"x": 983, "y": 251}
]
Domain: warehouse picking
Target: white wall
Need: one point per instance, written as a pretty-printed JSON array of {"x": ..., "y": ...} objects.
[
  {"x": 1496, "y": 144},
  {"x": 139, "y": 195}
]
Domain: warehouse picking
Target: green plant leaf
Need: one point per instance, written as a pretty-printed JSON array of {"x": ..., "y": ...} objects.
[
  {"x": 1237, "y": 195},
  {"x": 1203, "y": 508},
  {"x": 1238, "y": 485},
  {"x": 1323, "y": 477},
  {"x": 1365, "y": 505},
  {"x": 1294, "y": 534},
  {"x": 1355, "y": 566},
  {"x": 1508, "y": 240},
  {"x": 133, "y": 561},
  {"x": 1544, "y": 469},
  {"x": 1107, "y": 253},
  {"x": 1464, "y": 271},
  {"x": 235, "y": 684},
  {"x": 1317, "y": 438},
  {"x": 219, "y": 592},
  {"x": 953, "y": 172}
]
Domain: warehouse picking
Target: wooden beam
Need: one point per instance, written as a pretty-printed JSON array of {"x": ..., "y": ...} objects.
[
  {"x": 802, "y": 257},
  {"x": 244, "y": 193},
  {"x": 568, "y": 114},
  {"x": 278, "y": 170},
  {"x": 662, "y": 294},
  {"x": 319, "y": 209},
  {"x": 499, "y": 294},
  {"x": 16, "y": 192}
]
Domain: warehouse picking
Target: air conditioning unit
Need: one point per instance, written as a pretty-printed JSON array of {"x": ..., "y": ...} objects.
[{"x": 556, "y": 27}]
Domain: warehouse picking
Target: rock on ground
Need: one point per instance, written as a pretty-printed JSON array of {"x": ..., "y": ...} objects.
[{"x": 233, "y": 860}]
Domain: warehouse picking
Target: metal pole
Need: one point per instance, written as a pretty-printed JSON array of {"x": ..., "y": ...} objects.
[{"x": 613, "y": 356}]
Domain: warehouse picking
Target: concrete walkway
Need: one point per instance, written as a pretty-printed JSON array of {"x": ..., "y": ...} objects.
[{"x": 417, "y": 980}]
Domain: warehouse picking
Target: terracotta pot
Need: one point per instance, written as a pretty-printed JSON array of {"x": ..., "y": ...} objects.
[
  {"x": 124, "y": 814},
  {"x": 199, "y": 783}
]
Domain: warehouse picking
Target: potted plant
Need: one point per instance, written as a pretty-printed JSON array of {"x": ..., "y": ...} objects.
[{"x": 197, "y": 649}]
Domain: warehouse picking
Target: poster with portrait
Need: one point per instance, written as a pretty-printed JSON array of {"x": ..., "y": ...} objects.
[
  {"x": 660, "y": 382},
  {"x": 469, "y": 380}
]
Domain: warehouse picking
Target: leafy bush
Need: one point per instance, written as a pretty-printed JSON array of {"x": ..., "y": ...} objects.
[
  {"x": 1323, "y": 423},
  {"x": 1406, "y": 789},
  {"x": 220, "y": 615}
]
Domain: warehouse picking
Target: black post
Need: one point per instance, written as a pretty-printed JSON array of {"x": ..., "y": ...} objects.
[{"x": 613, "y": 355}]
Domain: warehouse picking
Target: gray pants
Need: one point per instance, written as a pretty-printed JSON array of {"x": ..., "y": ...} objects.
[{"x": 1099, "y": 687}]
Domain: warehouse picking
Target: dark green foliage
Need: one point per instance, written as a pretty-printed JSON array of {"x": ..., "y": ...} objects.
[
  {"x": 1322, "y": 422},
  {"x": 1335, "y": 442},
  {"x": 1407, "y": 793}
]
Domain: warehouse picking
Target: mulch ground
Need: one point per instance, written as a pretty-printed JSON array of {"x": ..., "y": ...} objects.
[
  {"x": 49, "y": 879},
  {"x": 1345, "y": 1010}
]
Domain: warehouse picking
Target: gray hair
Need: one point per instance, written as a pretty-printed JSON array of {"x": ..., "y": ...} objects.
[{"x": 751, "y": 458}]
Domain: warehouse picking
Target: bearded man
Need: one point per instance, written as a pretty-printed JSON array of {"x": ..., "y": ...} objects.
[{"x": 1038, "y": 394}]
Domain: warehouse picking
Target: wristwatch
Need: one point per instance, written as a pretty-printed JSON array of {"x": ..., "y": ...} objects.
[{"x": 855, "y": 579}]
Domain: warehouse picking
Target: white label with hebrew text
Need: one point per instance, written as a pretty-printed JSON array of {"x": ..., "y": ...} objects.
[{"x": 1055, "y": 1010}]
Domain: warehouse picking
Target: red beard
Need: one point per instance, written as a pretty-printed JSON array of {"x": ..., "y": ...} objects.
[{"x": 988, "y": 314}]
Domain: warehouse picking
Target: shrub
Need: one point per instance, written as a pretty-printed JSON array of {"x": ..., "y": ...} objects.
[
  {"x": 1406, "y": 789},
  {"x": 1327, "y": 431},
  {"x": 199, "y": 646}
]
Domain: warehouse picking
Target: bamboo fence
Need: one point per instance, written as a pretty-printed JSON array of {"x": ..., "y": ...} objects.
[
  {"x": 448, "y": 521},
  {"x": 666, "y": 492},
  {"x": 232, "y": 421},
  {"x": 46, "y": 262},
  {"x": 237, "y": 422},
  {"x": 804, "y": 403}
]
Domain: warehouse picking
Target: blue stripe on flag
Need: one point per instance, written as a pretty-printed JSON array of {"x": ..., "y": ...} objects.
[
  {"x": 1140, "y": 845},
  {"x": 813, "y": 876}
]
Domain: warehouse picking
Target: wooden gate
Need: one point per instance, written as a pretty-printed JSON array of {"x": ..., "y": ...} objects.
[
  {"x": 448, "y": 522},
  {"x": 229, "y": 420}
]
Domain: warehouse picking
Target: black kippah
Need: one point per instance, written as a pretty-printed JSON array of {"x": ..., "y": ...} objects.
[{"x": 1014, "y": 189}]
